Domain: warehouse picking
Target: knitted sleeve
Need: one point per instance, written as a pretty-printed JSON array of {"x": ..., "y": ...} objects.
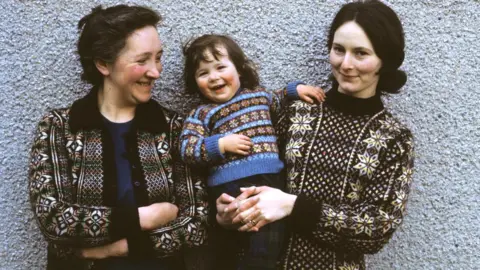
[
  {"x": 366, "y": 221},
  {"x": 281, "y": 127},
  {"x": 196, "y": 146},
  {"x": 189, "y": 228},
  {"x": 51, "y": 188},
  {"x": 279, "y": 98}
]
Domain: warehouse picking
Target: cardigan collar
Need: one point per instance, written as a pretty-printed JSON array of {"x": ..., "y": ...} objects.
[
  {"x": 352, "y": 105},
  {"x": 85, "y": 114}
]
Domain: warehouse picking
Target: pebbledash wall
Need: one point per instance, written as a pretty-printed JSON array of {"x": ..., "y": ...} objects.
[{"x": 440, "y": 103}]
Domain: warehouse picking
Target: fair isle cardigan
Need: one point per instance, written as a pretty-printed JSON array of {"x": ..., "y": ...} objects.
[
  {"x": 72, "y": 184},
  {"x": 248, "y": 113},
  {"x": 350, "y": 163}
]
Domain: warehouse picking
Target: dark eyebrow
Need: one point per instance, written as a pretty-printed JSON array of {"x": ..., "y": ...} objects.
[
  {"x": 364, "y": 49},
  {"x": 356, "y": 48}
]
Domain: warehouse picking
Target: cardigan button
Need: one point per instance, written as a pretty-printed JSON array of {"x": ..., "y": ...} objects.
[{"x": 136, "y": 183}]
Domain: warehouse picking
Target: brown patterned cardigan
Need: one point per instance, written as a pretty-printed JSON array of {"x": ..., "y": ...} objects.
[
  {"x": 350, "y": 163},
  {"x": 72, "y": 184}
]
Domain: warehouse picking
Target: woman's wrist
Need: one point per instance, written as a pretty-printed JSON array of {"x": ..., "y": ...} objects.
[
  {"x": 115, "y": 249},
  {"x": 289, "y": 203},
  {"x": 145, "y": 223},
  {"x": 305, "y": 214},
  {"x": 118, "y": 249}
]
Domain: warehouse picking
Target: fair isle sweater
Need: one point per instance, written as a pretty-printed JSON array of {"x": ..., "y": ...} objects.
[
  {"x": 350, "y": 163},
  {"x": 73, "y": 185},
  {"x": 248, "y": 113}
]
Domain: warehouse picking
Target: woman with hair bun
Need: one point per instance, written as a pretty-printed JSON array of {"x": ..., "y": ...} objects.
[
  {"x": 106, "y": 186},
  {"x": 349, "y": 162}
]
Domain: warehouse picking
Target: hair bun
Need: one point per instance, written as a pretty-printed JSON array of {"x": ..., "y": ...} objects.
[
  {"x": 96, "y": 10},
  {"x": 392, "y": 81}
]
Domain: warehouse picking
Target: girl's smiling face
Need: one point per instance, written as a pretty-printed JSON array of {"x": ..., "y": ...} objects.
[{"x": 217, "y": 77}]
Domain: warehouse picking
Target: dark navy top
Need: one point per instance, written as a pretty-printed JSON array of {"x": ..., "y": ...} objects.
[{"x": 118, "y": 132}]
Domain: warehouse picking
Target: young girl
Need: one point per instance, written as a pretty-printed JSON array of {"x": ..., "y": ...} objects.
[{"x": 232, "y": 134}]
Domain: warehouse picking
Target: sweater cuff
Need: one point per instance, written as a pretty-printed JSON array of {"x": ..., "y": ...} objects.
[
  {"x": 139, "y": 245},
  {"x": 212, "y": 147},
  {"x": 125, "y": 223},
  {"x": 305, "y": 214},
  {"x": 292, "y": 92}
]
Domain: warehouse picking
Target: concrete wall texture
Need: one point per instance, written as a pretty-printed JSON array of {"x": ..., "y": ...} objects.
[{"x": 440, "y": 103}]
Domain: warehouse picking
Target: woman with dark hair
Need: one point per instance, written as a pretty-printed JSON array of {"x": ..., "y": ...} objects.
[
  {"x": 106, "y": 187},
  {"x": 348, "y": 161}
]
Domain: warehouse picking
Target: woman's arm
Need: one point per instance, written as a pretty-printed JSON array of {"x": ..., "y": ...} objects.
[
  {"x": 151, "y": 217},
  {"x": 364, "y": 226},
  {"x": 156, "y": 215},
  {"x": 116, "y": 249}
]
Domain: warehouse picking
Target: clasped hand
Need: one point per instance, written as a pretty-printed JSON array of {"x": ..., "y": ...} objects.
[{"x": 254, "y": 208}]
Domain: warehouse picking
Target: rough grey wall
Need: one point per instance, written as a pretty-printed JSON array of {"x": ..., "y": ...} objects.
[{"x": 38, "y": 71}]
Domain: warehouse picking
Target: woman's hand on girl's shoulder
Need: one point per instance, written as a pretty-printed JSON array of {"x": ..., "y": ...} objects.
[{"x": 311, "y": 94}]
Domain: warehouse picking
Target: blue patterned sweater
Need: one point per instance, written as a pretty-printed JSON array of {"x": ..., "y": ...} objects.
[{"x": 248, "y": 113}]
